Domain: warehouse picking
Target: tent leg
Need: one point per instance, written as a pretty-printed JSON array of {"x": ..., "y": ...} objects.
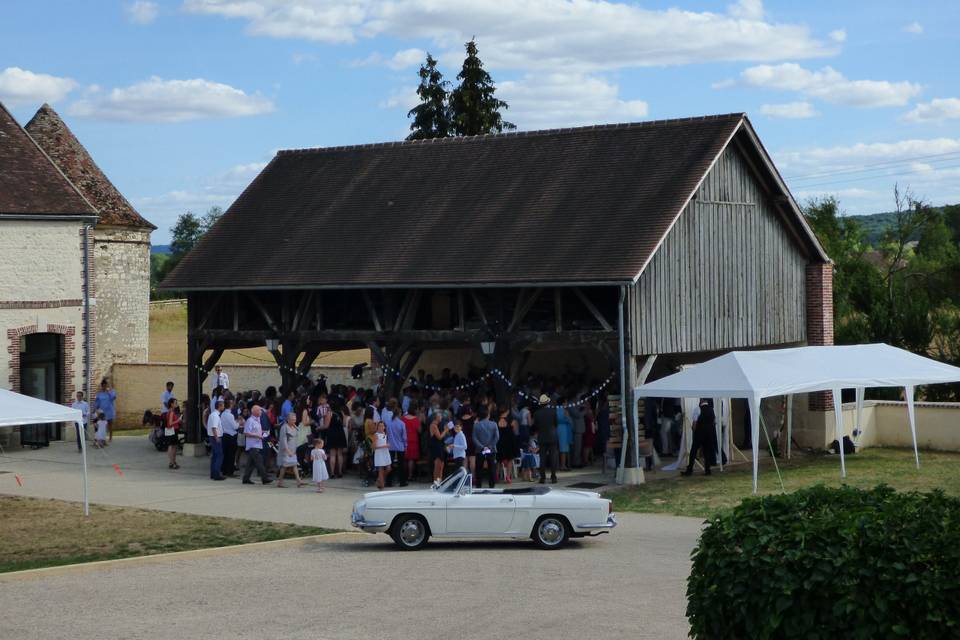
[
  {"x": 755, "y": 437},
  {"x": 773, "y": 455},
  {"x": 838, "y": 421},
  {"x": 859, "y": 424},
  {"x": 908, "y": 391},
  {"x": 789, "y": 424},
  {"x": 81, "y": 429}
]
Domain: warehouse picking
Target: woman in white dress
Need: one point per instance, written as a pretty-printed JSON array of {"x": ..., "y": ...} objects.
[
  {"x": 287, "y": 449},
  {"x": 381, "y": 454}
]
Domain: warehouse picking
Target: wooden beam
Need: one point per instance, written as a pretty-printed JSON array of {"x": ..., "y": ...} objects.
[
  {"x": 212, "y": 361},
  {"x": 524, "y": 304},
  {"x": 378, "y": 353},
  {"x": 592, "y": 309},
  {"x": 461, "y": 322},
  {"x": 558, "y": 307},
  {"x": 263, "y": 312},
  {"x": 307, "y": 361},
  {"x": 210, "y": 310},
  {"x": 373, "y": 312},
  {"x": 409, "y": 317},
  {"x": 302, "y": 309},
  {"x": 319, "y": 310},
  {"x": 479, "y": 307},
  {"x": 414, "y": 336}
]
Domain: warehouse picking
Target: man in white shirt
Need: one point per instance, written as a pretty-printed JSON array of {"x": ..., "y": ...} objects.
[
  {"x": 253, "y": 434},
  {"x": 165, "y": 399},
  {"x": 215, "y": 434},
  {"x": 220, "y": 378},
  {"x": 229, "y": 423},
  {"x": 81, "y": 405}
]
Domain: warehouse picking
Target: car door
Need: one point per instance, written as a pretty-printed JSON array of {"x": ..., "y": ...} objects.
[{"x": 480, "y": 513}]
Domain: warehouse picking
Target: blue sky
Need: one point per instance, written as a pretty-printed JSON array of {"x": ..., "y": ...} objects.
[{"x": 182, "y": 102}]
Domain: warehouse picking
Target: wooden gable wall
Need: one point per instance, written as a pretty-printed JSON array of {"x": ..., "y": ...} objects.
[{"x": 729, "y": 275}]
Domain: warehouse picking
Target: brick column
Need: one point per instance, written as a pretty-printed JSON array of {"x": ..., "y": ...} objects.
[{"x": 819, "y": 285}]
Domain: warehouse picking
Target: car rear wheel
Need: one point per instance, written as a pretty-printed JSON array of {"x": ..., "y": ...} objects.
[
  {"x": 410, "y": 532},
  {"x": 551, "y": 532}
]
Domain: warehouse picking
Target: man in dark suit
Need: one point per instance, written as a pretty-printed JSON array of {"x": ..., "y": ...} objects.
[
  {"x": 545, "y": 422},
  {"x": 704, "y": 436}
]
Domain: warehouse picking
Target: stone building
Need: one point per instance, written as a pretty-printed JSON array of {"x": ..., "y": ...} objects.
[
  {"x": 64, "y": 228},
  {"x": 121, "y": 247}
]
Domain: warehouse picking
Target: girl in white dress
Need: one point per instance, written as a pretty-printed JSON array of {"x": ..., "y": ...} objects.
[
  {"x": 319, "y": 458},
  {"x": 381, "y": 454},
  {"x": 100, "y": 436}
]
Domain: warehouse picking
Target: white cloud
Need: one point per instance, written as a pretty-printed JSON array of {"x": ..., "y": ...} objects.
[
  {"x": 829, "y": 85},
  {"x": 159, "y": 100},
  {"x": 566, "y": 100},
  {"x": 142, "y": 12},
  {"x": 867, "y": 171},
  {"x": 914, "y": 27},
  {"x": 578, "y": 36},
  {"x": 937, "y": 110},
  {"x": 793, "y": 110},
  {"x": 400, "y": 60},
  {"x": 838, "y": 35},
  {"x": 19, "y": 86},
  {"x": 301, "y": 58}
]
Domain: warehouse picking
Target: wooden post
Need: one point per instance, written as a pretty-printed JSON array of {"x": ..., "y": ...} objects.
[{"x": 195, "y": 373}]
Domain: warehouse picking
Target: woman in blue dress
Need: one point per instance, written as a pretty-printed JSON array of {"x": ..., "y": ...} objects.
[
  {"x": 564, "y": 434},
  {"x": 105, "y": 401}
]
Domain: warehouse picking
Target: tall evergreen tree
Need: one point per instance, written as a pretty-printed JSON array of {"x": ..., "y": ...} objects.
[
  {"x": 475, "y": 109},
  {"x": 431, "y": 118}
]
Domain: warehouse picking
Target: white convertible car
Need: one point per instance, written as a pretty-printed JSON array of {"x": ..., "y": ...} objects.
[{"x": 454, "y": 509}]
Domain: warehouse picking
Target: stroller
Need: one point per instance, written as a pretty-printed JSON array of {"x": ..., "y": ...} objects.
[{"x": 155, "y": 422}]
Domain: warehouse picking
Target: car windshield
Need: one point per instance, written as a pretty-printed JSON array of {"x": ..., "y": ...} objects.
[{"x": 449, "y": 484}]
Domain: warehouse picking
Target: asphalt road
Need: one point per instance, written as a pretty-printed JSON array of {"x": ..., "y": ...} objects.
[{"x": 630, "y": 583}]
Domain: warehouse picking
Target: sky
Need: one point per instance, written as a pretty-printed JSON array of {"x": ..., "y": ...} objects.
[{"x": 182, "y": 102}]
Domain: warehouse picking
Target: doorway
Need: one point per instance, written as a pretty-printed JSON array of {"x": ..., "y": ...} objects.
[{"x": 41, "y": 375}]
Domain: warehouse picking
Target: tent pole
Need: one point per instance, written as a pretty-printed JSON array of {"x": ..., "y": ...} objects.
[
  {"x": 838, "y": 421},
  {"x": 773, "y": 455},
  {"x": 859, "y": 424},
  {"x": 83, "y": 451},
  {"x": 755, "y": 437},
  {"x": 908, "y": 391},
  {"x": 789, "y": 424}
]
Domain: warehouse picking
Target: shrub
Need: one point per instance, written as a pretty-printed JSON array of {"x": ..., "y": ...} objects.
[{"x": 829, "y": 563}]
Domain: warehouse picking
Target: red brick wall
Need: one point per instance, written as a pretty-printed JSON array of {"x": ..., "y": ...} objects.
[
  {"x": 820, "y": 320},
  {"x": 67, "y": 384}
]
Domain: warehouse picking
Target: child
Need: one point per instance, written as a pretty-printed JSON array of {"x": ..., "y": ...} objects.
[
  {"x": 381, "y": 454},
  {"x": 458, "y": 448},
  {"x": 319, "y": 459},
  {"x": 531, "y": 458},
  {"x": 100, "y": 437}
]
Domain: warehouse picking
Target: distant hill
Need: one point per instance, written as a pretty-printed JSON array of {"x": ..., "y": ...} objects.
[
  {"x": 160, "y": 248},
  {"x": 874, "y": 224}
]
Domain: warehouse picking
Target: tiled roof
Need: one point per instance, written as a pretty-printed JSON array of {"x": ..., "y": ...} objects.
[
  {"x": 30, "y": 184},
  {"x": 56, "y": 139},
  {"x": 585, "y": 205}
]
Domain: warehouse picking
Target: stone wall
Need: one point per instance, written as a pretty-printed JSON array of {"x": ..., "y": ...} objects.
[
  {"x": 122, "y": 263},
  {"x": 139, "y": 385},
  {"x": 40, "y": 292}
]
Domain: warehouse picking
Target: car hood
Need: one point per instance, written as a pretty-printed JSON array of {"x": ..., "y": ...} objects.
[{"x": 377, "y": 496}]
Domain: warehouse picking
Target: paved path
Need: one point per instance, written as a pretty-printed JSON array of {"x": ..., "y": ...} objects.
[{"x": 627, "y": 584}]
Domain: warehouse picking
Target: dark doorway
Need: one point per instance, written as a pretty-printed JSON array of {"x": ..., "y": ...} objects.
[{"x": 41, "y": 375}]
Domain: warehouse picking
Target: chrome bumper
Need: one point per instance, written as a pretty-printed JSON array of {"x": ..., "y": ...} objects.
[
  {"x": 603, "y": 527},
  {"x": 370, "y": 526}
]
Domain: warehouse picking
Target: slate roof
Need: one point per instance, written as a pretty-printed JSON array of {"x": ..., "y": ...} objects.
[
  {"x": 30, "y": 184},
  {"x": 55, "y": 138},
  {"x": 585, "y": 205}
]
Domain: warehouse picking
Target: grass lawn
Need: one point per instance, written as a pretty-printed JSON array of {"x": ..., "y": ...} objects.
[
  {"x": 45, "y": 533},
  {"x": 168, "y": 342},
  {"x": 701, "y": 496}
]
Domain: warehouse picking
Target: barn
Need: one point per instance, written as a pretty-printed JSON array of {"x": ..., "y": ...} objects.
[{"x": 629, "y": 249}]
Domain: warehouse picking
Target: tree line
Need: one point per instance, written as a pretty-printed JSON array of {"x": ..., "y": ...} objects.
[{"x": 904, "y": 289}]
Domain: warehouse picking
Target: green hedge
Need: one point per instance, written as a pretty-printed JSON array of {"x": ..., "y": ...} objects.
[{"x": 829, "y": 563}]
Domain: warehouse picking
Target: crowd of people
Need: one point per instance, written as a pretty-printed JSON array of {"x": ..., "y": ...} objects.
[{"x": 314, "y": 432}]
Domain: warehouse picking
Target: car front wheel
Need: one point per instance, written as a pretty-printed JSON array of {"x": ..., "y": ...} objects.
[
  {"x": 410, "y": 532},
  {"x": 551, "y": 532}
]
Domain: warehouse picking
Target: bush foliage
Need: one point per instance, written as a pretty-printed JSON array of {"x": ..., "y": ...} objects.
[{"x": 829, "y": 563}]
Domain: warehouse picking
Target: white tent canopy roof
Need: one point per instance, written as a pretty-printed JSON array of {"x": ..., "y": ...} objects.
[
  {"x": 775, "y": 372},
  {"x": 16, "y": 409}
]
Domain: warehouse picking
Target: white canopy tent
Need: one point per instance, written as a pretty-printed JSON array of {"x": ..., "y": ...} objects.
[
  {"x": 17, "y": 409},
  {"x": 754, "y": 375}
]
